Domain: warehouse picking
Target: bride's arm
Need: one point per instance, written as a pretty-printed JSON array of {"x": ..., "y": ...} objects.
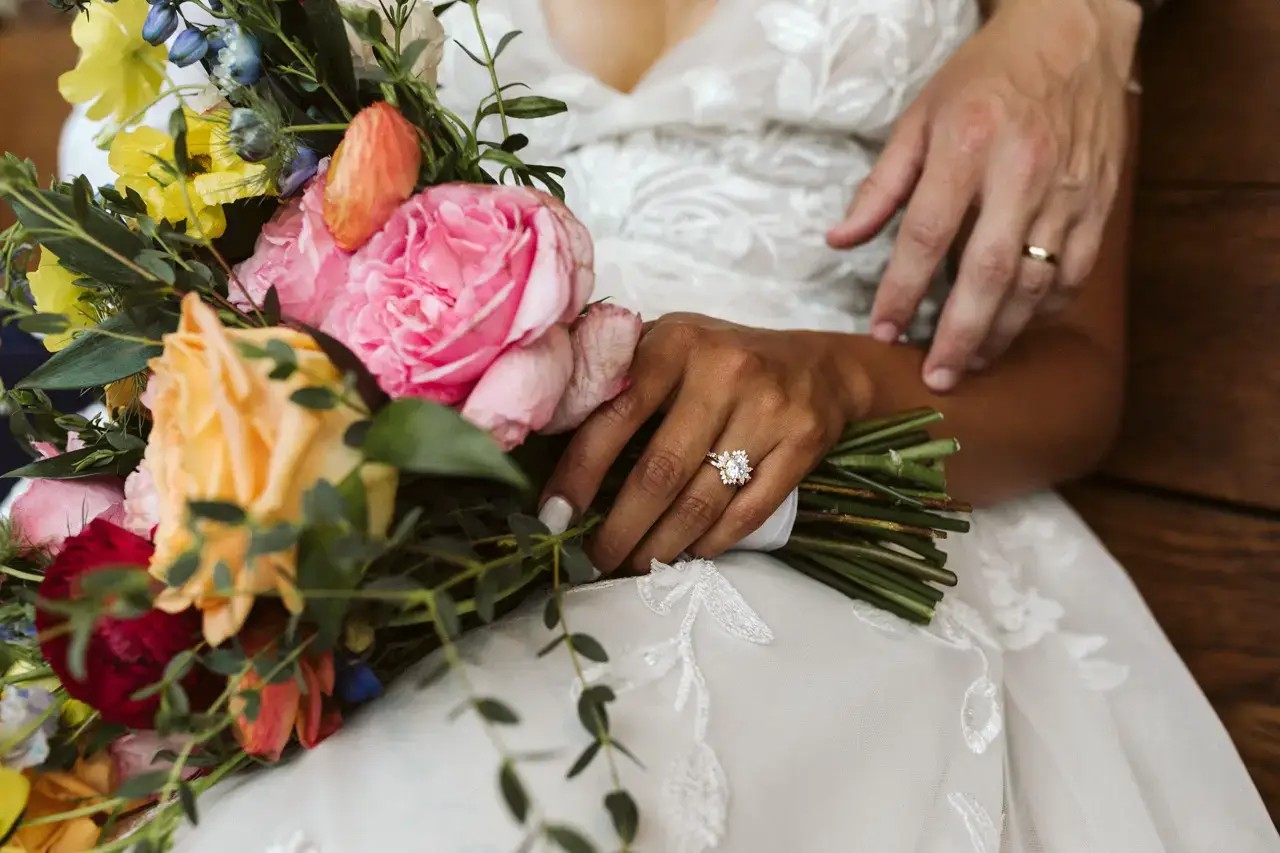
[{"x": 1044, "y": 414}]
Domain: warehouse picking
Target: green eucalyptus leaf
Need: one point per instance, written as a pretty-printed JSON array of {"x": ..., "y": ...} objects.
[
  {"x": 584, "y": 760},
  {"x": 551, "y": 613},
  {"x": 589, "y": 647},
  {"x": 496, "y": 712},
  {"x": 92, "y": 360},
  {"x": 428, "y": 438},
  {"x": 577, "y": 565},
  {"x": 447, "y": 613},
  {"x": 223, "y": 512},
  {"x": 569, "y": 839},
  {"x": 187, "y": 798},
  {"x": 105, "y": 256},
  {"x": 626, "y": 816},
  {"x": 513, "y": 792},
  {"x": 143, "y": 785}
]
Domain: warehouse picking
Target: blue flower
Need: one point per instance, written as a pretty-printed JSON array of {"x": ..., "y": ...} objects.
[
  {"x": 300, "y": 169},
  {"x": 20, "y": 709},
  {"x": 251, "y": 138},
  {"x": 356, "y": 682},
  {"x": 188, "y": 48},
  {"x": 19, "y": 632},
  {"x": 161, "y": 22},
  {"x": 239, "y": 58}
]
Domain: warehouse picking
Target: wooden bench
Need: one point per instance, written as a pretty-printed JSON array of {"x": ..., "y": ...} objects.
[{"x": 1190, "y": 500}]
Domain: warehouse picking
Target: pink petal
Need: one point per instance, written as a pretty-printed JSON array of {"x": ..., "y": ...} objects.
[
  {"x": 51, "y": 510},
  {"x": 604, "y": 340},
  {"x": 520, "y": 390}
]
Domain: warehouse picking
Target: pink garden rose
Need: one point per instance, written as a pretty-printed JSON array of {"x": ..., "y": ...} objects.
[
  {"x": 465, "y": 280},
  {"x": 135, "y": 753},
  {"x": 50, "y": 511},
  {"x": 296, "y": 253},
  {"x": 603, "y": 340},
  {"x": 141, "y": 503}
]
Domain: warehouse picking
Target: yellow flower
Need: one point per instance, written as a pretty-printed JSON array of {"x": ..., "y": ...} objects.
[
  {"x": 117, "y": 70},
  {"x": 55, "y": 292},
  {"x": 15, "y": 787},
  {"x": 217, "y": 176},
  {"x": 224, "y": 431},
  {"x": 55, "y": 791}
]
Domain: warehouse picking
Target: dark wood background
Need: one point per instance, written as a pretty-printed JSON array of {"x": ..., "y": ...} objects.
[{"x": 1190, "y": 500}]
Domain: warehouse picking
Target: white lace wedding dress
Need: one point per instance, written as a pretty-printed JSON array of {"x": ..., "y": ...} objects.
[{"x": 1042, "y": 712}]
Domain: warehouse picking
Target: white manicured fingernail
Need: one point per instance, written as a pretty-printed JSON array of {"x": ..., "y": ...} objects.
[
  {"x": 556, "y": 514},
  {"x": 942, "y": 380}
]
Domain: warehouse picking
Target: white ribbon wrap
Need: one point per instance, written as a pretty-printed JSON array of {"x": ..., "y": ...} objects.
[{"x": 776, "y": 530}]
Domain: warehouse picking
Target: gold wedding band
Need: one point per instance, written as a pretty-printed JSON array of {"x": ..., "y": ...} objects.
[{"x": 1039, "y": 253}]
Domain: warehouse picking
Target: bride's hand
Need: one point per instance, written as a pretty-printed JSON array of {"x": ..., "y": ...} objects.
[
  {"x": 780, "y": 396},
  {"x": 1026, "y": 122}
]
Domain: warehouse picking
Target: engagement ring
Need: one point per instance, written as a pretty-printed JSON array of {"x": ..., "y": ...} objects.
[{"x": 734, "y": 467}]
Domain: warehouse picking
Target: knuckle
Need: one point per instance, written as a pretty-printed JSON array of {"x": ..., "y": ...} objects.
[
  {"x": 1035, "y": 152},
  {"x": 977, "y": 124},
  {"x": 809, "y": 432},
  {"x": 927, "y": 232},
  {"x": 1036, "y": 283},
  {"x": 738, "y": 362},
  {"x": 659, "y": 472},
  {"x": 995, "y": 265},
  {"x": 744, "y": 517},
  {"x": 622, "y": 409},
  {"x": 770, "y": 400},
  {"x": 695, "y": 511}
]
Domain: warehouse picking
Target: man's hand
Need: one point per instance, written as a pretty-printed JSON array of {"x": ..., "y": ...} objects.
[{"x": 1027, "y": 123}]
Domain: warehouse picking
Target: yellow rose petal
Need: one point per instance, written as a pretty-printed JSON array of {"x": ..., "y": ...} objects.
[{"x": 15, "y": 788}]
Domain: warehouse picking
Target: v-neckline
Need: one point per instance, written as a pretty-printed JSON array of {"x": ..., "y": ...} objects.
[{"x": 645, "y": 79}]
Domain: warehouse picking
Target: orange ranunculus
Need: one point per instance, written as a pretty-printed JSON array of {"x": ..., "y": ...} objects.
[
  {"x": 57, "y": 791},
  {"x": 373, "y": 171},
  {"x": 285, "y": 707},
  {"x": 224, "y": 431}
]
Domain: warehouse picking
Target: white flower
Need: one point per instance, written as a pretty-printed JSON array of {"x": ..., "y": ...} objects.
[
  {"x": 421, "y": 26},
  {"x": 20, "y": 708}
]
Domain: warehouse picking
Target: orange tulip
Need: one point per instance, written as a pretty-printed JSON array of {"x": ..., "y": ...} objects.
[
  {"x": 373, "y": 171},
  {"x": 285, "y": 707}
]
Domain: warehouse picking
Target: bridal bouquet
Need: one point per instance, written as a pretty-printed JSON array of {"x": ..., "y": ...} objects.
[{"x": 328, "y": 324}]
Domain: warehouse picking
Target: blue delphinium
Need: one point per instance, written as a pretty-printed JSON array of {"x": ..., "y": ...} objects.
[
  {"x": 299, "y": 170},
  {"x": 239, "y": 58},
  {"x": 188, "y": 48},
  {"x": 24, "y": 710},
  {"x": 161, "y": 22},
  {"x": 356, "y": 682},
  {"x": 251, "y": 137}
]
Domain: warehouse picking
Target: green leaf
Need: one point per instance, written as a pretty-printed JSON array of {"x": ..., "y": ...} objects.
[
  {"x": 187, "y": 798},
  {"x": 477, "y": 60},
  {"x": 315, "y": 397},
  {"x": 592, "y": 711},
  {"x": 155, "y": 263},
  {"x": 496, "y": 712},
  {"x": 222, "y": 512},
  {"x": 250, "y": 704},
  {"x": 272, "y": 540},
  {"x": 222, "y": 581},
  {"x": 525, "y": 528},
  {"x": 356, "y": 434},
  {"x": 86, "y": 462},
  {"x": 526, "y": 106},
  {"x": 143, "y": 785},
  {"x": 569, "y": 840},
  {"x": 324, "y": 19},
  {"x": 626, "y": 817},
  {"x": 178, "y": 667},
  {"x": 183, "y": 568},
  {"x": 44, "y": 324},
  {"x": 551, "y": 613},
  {"x": 584, "y": 760},
  {"x": 176, "y": 699},
  {"x": 589, "y": 647},
  {"x": 108, "y": 260},
  {"x": 428, "y": 438},
  {"x": 576, "y": 564},
  {"x": 81, "y": 198},
  {"x": 440, "y": 8},
  {"x": 412, "y": 52},
  {"x": 503, "y": 42},
  {"x": 447, "y": 613},
  {"x": 92, "y": 360},
  {"x": 271, "y": 312},
  {"x": 224, "y": 661},
  {"x": 513, "y": 792},
  {"x": 487, "y": 595}
]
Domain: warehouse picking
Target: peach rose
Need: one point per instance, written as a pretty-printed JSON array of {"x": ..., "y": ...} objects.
[{"x": 224, "y": 431}]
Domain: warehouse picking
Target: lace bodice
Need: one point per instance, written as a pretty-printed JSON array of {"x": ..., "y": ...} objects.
[{"x": 710, "y": 186}]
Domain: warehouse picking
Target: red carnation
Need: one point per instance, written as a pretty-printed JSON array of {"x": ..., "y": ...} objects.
[{"x": 124, "y": 655}]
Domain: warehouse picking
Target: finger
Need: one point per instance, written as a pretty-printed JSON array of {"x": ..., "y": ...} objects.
[
  {"x": 672, "y": 458},
  {"x": 1036, "y": 281},
  {"x": 991, "y": 261},
  {"x": 775, "y": 477},
  {"x": 933, "y": 217},
  {"x": 887, "y": 187},
  {"x": 705, "y": 498},
  {"x": 604, "y": 434}
]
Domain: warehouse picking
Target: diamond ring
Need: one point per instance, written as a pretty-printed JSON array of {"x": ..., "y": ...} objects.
[{"x": 734, "y": 467}]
